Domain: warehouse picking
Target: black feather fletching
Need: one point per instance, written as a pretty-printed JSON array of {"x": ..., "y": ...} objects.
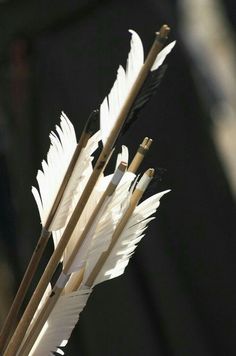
[{"x": 148, "y": 90}]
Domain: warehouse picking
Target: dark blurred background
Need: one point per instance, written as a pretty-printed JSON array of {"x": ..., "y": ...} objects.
[{"x": 178, "y": 295}]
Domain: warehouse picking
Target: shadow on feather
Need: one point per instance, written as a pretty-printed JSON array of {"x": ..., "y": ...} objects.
[{"x": 148, "y": 90}]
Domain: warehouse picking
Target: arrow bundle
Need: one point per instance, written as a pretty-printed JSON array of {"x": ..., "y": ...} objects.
[{"x": 96, "y": 220}]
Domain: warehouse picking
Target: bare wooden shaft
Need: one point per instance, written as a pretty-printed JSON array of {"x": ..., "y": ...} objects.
[
  {"x": 134, "y": 166},
  {"x": 139, "y": 156},
  {"x": 120, "y": 227},
  {"x": 76, "y": 281},
  {"x": 11, "y": 319},
  {"x": 71, "y": 283}
]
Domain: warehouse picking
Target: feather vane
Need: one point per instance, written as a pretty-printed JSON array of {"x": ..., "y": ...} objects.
[
  {"x": 127, "y": 243},
  {"x": 50, "y": 177},
  {"x": 60, "y": 324},
  {"x": 111, "y": 106},
  {"x": 63, "y": 145},
  {"x": 162, "y": 55}
]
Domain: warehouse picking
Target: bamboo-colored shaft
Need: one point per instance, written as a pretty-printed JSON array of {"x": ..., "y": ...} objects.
[
  {"x": 23, "y": 325},
  {"x": 59, "y": 286},
  {"x": 11, "y": 318},
  {"x": 141, "y": 153},
  {"x": 136, "y": 196},
  {"x": 75, "y": 282}
]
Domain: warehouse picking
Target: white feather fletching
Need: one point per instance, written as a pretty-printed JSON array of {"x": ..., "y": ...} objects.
[
  {"x": 77, "y": 183},
  {"x": 112, "y": 105},
  {"x": 63, "y": 144},
  {"x": 129, "y": 238},
  {"x": 60, "y": 324},
  {"x": 79, "y": 179},
  {"x": 162, "y": 55},
  {"x": 123, "y": 156}
]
